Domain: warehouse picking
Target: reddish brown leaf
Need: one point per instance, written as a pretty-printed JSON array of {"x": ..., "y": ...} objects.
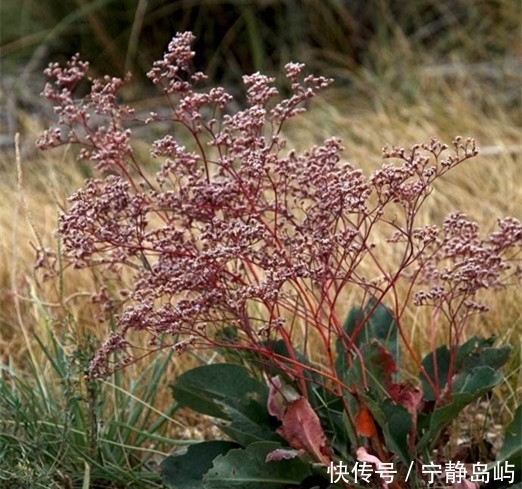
[
  {"x": 302, "y": 429},
  {"x": 407, "y": 395},
  {"x": 384, "y": 363},
  {"x": 300, "y": 426},
  {"x": 364, "y": 422},
  {"x": 410, "y": 397}
]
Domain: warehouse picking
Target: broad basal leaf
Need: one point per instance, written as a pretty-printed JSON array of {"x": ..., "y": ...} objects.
[
  {"x": 467, "y": 387},
  {"x": 248, "y": 469},
  {"x": 186, "y": 470},
  {"x": 249, "y": 427},
  {"x": 208, "y": 388}
]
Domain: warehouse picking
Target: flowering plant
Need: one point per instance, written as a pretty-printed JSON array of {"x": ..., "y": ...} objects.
[{"x": 244, "y": 247}]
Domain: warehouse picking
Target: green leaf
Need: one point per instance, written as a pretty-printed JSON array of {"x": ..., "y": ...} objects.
[
  {"x": 396, "y": 429},
  {"x": 247, "y": 469},
  {"x": 436, "y": 365},
  {"x": 377, "y": 367},
  {"x": 246, "y": 429},
  {"x": 352, "y": 406},
  {"x": 355, "y": 316},
  {"x": 230, "y": 393},
  {"x": 475, "y": 353},
  {"x": 186, "y": 471},
  {"x": 466, "y": 388},
  {"x": 208, "y": 388},
  {"x": 479, "y": 352},
  {"x": 477, "y": 382},
  {"x": 380, "y": 326}
]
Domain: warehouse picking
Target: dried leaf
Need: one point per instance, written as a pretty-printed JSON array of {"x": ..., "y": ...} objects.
[
  {"x": 279, "y": 395},
  {"x": 364, "y": 456},
  {"x": 302, "y": 429},
  {"x": 275, "y": 405},
  {"x": 300, "y": 426},
  {"x": 282, "y": 454},
  {"x": 383, "y": 363},
  {"x": 408, "y": 396},
  {"x": 364, "y": 422}
]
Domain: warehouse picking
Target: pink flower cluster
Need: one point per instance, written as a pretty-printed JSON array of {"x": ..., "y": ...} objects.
[{"x": 234, "y": 230}]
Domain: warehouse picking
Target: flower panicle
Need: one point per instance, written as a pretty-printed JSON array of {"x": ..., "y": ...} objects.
[{"x": 236, "y": 232}]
